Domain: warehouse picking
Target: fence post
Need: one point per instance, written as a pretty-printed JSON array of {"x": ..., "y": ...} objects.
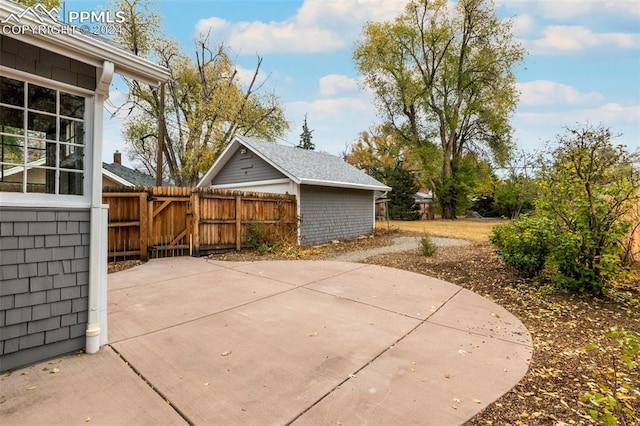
[
  {"x": 195, "y": 226},
  {"x": 150, "y": 241},
  {"x": 238, "y": 222},
  {"x": 144, "y": 227}
]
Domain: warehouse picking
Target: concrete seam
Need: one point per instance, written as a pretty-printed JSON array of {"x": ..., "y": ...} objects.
[
  {"x": 352, "y": 375},
  {"x": 153, "y": 388}
]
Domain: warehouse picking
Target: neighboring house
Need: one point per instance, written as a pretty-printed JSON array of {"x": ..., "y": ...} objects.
[
  {"x": 115, "y": 174},
  {"x": 335, "y": 200},
  {"x": 424, "y": 201},
  {"x": 53, "y": 84}
]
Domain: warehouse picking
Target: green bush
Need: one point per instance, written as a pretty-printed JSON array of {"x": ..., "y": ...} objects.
[
  {"x": 525, "y": 243},
  {"x": 254, "y": 236},
  {"x": 583, "y": 266},
  {"x": 613, "y": 396},
  {"x": 427, "y": 246}
]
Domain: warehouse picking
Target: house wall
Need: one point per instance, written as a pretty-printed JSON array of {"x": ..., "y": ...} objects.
[
  {"x": 246, "y": 167},
  {"x": 334, "y": 213},
  {"x": 35, "y": 60},
  {"x": 44, "y": 277}
]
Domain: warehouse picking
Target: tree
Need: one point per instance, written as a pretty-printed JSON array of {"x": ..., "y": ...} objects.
[
  {"x": 383, "y": 157},
  {"x": 516, "y": 193},
  {"x": 49, "y": 4},
  {"x": 305, "y": 137},
  {"x": 447, "y": 77},
  {"x": 402, "y": 204},
  {"x": 206, "y": 103},
  {"x": 381, "y": 148},
  {"x": 588, "y": 186}
]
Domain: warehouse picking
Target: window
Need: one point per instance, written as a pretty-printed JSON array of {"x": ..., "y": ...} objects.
[{"x": 42, "y": 139}]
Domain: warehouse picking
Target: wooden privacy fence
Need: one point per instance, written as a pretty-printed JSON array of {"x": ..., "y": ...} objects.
[{"x": 174, "y": 221}]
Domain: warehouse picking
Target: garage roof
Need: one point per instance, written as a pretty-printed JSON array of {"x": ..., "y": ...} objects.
[{"x": 300, "y": 165}]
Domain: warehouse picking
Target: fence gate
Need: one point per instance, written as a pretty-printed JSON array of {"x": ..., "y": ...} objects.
[
  {"x": 154, "y": 222},
  {"x": 169, "y": 225}
]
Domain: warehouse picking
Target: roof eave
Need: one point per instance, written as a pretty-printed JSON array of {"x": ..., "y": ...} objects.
[
  {"x": 349, "y": 185},
  {"x": 77, "y": 45},
  {"x": 116, "y": 178}
]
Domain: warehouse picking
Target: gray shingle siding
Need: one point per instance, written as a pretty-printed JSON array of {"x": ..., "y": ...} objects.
[
  {"x": 43, "y": 297},
  {"x": 247, "y": 167},
  {"x": 334, "y": 213},
  {"x": 45, "y": 63}
]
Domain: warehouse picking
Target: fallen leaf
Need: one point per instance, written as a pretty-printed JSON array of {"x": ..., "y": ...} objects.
[
  {"x": 31, "y": 387},
  {"x": 206, "y": 383},
  {"x": 54, "y": 370},
  {"x": 87, "y": 420},
  {"x": 477, "y": 401},
  {"x": 226, "y": 353}
]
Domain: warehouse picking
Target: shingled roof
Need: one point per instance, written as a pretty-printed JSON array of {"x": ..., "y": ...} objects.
[
  {"x": 134, "y": 177},
  {"x": 300, "y": 165}
]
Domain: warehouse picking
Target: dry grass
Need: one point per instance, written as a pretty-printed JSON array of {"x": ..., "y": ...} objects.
[{"x": 467, "y": 229}]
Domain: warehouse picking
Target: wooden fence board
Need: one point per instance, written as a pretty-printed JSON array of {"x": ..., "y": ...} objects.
[{"x": 170, "y": 221}]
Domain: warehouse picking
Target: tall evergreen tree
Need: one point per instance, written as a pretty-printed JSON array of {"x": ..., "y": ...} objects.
[
  {"x": 305, "y": 137},
  {"x": 402, "y": 204}
]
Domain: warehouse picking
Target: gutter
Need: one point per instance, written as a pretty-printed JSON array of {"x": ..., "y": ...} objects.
[{"x": 97, "y": 253}]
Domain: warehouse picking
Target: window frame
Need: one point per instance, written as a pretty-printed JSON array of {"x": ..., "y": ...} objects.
[{"x": 32, "y": 199}]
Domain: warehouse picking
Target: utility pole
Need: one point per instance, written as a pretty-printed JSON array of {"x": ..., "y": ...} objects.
[{"x": 160, "y": 137}]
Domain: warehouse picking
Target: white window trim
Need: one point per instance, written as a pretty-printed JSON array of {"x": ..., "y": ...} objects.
[{"x": 21, "y": 199}]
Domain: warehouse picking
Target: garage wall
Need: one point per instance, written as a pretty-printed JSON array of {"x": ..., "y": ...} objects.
[
  {"x": 247, "y": 167},
  {"x": 44, "y": 277},
  {"x": 334, "y": 213}
]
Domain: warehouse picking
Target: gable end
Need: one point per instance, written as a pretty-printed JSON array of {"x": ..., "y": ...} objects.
[{"x": 246, "y": 166}]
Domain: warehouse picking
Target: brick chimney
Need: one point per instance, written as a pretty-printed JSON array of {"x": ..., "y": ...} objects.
[{"x": 117, "y": 157}]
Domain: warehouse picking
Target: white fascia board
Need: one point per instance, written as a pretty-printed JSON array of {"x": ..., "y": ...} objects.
[
  {"x": 89, "y": 49},
  {"x": 116, "y": 178},
  {"x": 344, "y": 185}
]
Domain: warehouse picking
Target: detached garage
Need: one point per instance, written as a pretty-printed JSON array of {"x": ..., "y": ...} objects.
[{"x": 335, "y": 200}]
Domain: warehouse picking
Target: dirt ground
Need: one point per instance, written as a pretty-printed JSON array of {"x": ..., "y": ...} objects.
[{"x": 563, "y": 326}]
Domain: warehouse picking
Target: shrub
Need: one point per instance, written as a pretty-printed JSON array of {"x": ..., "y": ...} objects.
[
  {"x": 525, "y": 243},
  {"x": 612, "y": 397},
  {"x": 587, "y": 187},
  {"x": 427, "y": 246}
]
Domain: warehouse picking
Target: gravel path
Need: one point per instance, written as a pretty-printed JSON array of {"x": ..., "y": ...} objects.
[{"x": 399, "y": 244}]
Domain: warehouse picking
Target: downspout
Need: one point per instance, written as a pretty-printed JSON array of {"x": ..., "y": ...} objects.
[{"x": 97, "y": 260}]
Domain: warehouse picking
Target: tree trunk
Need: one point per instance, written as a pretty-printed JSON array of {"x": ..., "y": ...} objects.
[{"x": 448, "y": 210}]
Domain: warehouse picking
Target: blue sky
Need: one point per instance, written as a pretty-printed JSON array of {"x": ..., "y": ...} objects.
[{"x": 583, "y": 63}]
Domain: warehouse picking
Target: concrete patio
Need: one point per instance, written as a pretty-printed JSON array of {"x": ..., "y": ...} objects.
[{"x": 279, "y": 342}]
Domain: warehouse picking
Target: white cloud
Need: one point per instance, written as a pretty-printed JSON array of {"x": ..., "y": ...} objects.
[
  {"x": 333, "y": 84},
  {"x": 318, "y": 26},
  {"x": 565, "y": 9},
  {"x": 560, "y": 39},
  {"x": 335, "y": 122},
  {"x": 245, "y": 75},
  {"x": 543, "y": 92},
  {"x": 523, "y": 24},
  {"x": 534, "y": 128}
]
